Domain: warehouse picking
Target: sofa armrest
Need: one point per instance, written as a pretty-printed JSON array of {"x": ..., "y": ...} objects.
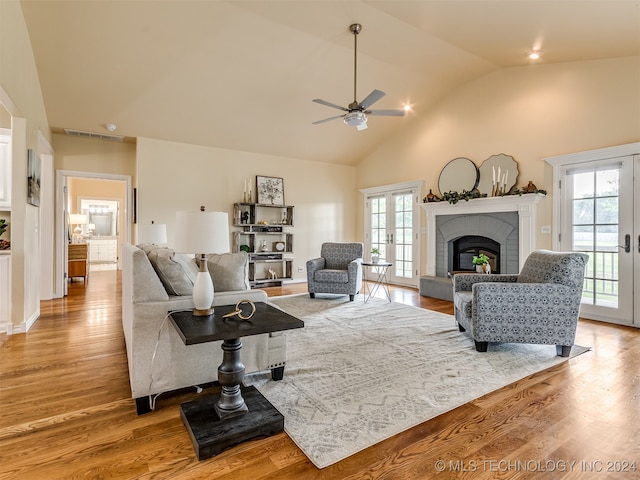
[
  {"x": 315, "y": 264},
  {"x": 234, "y": 296},
  {"x": 462, "y": 282}
]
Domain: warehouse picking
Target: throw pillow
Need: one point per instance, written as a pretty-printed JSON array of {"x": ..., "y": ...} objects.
[
  {"x": 176, "y": 272},
  {"x": 229, "y": 271}
]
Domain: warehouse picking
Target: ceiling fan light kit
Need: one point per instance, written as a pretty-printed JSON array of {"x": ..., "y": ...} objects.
[{"x": 357, "y": 112}]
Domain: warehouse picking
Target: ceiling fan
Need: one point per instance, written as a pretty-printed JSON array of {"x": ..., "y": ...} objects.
[{"x": 357, "y": 111}]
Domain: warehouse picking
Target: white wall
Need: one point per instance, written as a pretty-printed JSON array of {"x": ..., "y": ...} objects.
[{"x": 175, "y": 176}]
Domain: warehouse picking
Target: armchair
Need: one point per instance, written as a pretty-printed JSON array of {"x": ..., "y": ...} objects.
[
  {"x": 540, "y": 305},
  {"x": 337, "y": 270}
]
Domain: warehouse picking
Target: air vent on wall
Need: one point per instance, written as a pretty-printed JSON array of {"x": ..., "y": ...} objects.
[{"x": 96, "y": 136}]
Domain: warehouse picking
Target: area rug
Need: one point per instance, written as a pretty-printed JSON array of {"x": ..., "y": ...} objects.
[{"x": 358, "y": 373}]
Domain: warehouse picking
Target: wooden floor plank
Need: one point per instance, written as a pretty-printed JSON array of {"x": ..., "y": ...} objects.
[{"x": 66, "y": 411}]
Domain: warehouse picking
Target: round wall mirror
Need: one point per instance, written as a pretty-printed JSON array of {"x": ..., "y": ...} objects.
[{"x": 458, "y": 175}]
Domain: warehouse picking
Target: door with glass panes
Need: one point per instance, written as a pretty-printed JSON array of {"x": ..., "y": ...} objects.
[
  {"x": 392, "y": 221},
  {"x": 598, "y": 199}
]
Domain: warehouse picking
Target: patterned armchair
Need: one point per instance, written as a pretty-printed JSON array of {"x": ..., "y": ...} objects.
[
  {"x": 337, "y": 270},
  {"x": 540, "y": 305}
]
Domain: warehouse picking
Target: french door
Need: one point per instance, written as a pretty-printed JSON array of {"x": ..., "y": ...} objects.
[
  {"x": 598, "y": 201},
  {"x": 392, "y": 226}
]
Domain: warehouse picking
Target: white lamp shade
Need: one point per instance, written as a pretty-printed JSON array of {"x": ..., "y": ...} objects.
[
  {"x": 155, "y": 233},
  {"x": 78, "y": 219},
  {"x": 202, "y": 232}
]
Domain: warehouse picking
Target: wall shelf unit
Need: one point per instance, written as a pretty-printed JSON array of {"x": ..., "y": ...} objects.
[{"x": 265, "y": 238}]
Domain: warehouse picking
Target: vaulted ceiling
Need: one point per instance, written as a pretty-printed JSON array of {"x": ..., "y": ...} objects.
[{"x": 242, "y": 74}]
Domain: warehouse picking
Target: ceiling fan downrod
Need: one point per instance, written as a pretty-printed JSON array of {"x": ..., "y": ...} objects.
[{"x": 355, "y": 28}]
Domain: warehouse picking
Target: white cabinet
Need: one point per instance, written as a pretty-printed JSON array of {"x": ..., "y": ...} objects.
[
  {"x": 5, "y": 169},
  {"x": 5, "y": 291},
  {"x": 264, "y": 238},
  {"x": 103, "y": 250}
]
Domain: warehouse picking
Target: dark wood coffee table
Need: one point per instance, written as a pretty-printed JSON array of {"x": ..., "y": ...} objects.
[{"x": 237, "y": 414}]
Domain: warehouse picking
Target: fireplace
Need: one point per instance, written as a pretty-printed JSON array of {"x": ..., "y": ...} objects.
[
  {"x": 468, "y": 246},
  {"x": 509, "y": 223}
]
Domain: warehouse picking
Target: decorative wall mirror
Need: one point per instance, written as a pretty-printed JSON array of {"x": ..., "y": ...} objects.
[
  {"x": 458, "y": 175},
  {"x": 498, "y": 170}
]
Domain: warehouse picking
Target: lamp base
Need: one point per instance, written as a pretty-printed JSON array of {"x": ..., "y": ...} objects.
[{"x": 202, "y": 313}]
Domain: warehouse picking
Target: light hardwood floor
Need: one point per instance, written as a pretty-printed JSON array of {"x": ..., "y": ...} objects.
[{"x": 66, "y": 412}]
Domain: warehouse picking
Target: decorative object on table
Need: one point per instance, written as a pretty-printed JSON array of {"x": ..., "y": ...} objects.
[
  {"x": 78, "y": 219},
  {"x": 202, "y": 233},
  {"x": 375, "y": 255},
  {"x": 33, "y": 178},
  {"x": 531, "y": 187},
  {"x": 270, "y": 190},
  {"x": 238, "y": 311},
  {"x": 482, "y": 263},
  {"x": 153, "y": 233},
  {"x": 264, "y": 247},
  {"x": 245, "y": 217},
  {"x": 279, "y": 246},
  {"x": 498, "y": 174},
  {"x": 272, "y": 274},
  {"x": 460, "y": 174}
]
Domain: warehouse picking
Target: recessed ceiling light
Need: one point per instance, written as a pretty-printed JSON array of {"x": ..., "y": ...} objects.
[
  {"x": 111, "y": 127},
  {"x": 407, "y": 107},
  {"x": 534, "y": 55}
]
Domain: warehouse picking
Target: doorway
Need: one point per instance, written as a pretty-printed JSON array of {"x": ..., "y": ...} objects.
[
  {"x": 392, "y": 224},
  {"x": 95, "y": 197},
  {"x": 595, "y": 194}
]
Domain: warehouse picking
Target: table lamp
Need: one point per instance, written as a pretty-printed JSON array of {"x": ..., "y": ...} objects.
[
  {"x": 78, "y": 219},
  {"x": 155, "y": 233},
  {"x": 202, "y": 233}
]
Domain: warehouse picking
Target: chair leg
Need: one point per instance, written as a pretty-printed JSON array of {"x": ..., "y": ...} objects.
[
  {"x": 461, "y": 328},
  {"x": 481, "y": 346},
  {"x": 352, "y": 298},
  {"x": 312, "y": 295},
  {"x": 277, "y": 373},
  {"x": 563, "y": 350}
]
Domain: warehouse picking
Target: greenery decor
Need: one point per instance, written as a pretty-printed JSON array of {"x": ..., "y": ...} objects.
[
  {"x": 455, "y": 197},
  {"x": 375, "y": 251},
  {"x": 3, "y": 225},
  {"x": 481, "y": 259}
]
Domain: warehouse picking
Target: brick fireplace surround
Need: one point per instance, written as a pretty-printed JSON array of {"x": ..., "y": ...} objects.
[{"x": 510, "y": 221}]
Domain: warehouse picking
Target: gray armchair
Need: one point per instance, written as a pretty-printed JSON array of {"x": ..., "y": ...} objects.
[
  {"x": 337, "y": 270},
  {"x": 540, "y": 305}
]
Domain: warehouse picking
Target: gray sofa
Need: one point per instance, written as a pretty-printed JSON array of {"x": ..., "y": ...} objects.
[
  {"x": 540, "y": 305},
  {"x": 155, "y": 282}
]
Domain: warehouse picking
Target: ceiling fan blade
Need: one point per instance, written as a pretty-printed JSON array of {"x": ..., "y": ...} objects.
[
  {"x": 329, "y": 104},
  {"x": 327, "y": 119},
  {"x": 372, "y": 98},
  {"x": 387, "y": 113}
]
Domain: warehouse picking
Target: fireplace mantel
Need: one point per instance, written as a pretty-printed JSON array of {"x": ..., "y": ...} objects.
[{"x": 525, "y": 205}]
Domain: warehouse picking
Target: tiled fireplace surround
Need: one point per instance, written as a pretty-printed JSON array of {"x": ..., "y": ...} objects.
[{"x": 509, "y": 220}]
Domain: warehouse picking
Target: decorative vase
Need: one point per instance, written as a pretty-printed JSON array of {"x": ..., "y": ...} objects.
[
  {"x": 485, "y": 268},
  {"x": 374, "y": 259},
  {"x": 264, "y": 246},
  {"x": 430, "y": 196}
]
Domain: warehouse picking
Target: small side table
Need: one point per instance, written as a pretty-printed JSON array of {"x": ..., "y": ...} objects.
[
  {"x": 237, "y": 414},
  {"x": 380, "y": 269}
]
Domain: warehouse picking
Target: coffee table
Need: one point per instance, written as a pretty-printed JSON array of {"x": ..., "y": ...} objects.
[
  {"x": 237, "y": 414},
  {"x": 380, "y": 281}
]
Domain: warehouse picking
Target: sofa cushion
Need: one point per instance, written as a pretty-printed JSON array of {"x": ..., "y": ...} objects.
[
  {"x": 177, "y": 272},
  {"x": 229, "y": 271}
]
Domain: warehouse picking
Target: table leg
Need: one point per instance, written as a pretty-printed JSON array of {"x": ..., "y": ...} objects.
[{"x": 230, "y": 375}]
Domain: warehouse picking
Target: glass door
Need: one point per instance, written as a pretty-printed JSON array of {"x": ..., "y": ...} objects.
[
  {"x": 598, "y": 200},
  {"x": 391, "y": 226}
]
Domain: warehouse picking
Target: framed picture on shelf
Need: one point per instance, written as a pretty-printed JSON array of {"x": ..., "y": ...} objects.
[{"x": 270, "y": 190}]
